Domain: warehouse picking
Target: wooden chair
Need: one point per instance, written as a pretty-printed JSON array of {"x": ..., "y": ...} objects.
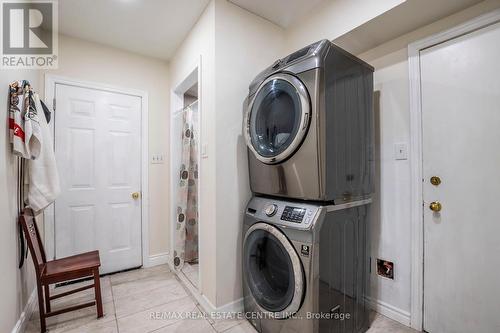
[{"x": 60, "y": 270}]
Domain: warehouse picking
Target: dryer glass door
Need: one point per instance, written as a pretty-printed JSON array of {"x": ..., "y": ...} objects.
[
  {"x": 273, "y": 270},
  {"x": 278, "y": 118}
]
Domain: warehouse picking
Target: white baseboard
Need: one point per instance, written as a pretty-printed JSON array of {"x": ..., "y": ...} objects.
[
  {"x": 157, "y": 259},
  {"x": 389, "y": 311},
  {"x": 232, "y": 307},
  {"x": 208, "y": 307},
  {"x": 25, "y": 316}
]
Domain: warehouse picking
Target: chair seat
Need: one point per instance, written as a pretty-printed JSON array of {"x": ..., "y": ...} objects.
[{"x": 71, "y": 267}]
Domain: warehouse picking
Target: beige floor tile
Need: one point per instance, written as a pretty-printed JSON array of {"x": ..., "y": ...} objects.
[
  {"x": 381, "y": 324},
  {"x": 157, "y": 317},
  {"x": 80, "y": 297},
  {"x": 75, "y": 319},
  {"x": 188, "y": 326},
  {"x": 86, "y": 294},
  {"x": 143, "y": 285},
  {"x": 222, "y": 325},
  {"x": 138, "y": 274},
  {"x": 96, "y": 327},
  {"x": 242, "y": 327},
  {"x": 134, "y": 303},
  {"x": 137, "y": 295},
  {"x": 207, "y": 316}
]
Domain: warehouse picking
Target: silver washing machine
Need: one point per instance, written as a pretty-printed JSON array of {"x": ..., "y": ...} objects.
[
  {"x": 305, "y": 266},
  {"x": 308, "y": 126}
]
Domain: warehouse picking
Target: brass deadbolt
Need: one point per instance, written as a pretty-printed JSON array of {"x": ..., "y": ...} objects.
[
  {"x": 435, "y": 180},
  {"x": 435, "y": 206}
]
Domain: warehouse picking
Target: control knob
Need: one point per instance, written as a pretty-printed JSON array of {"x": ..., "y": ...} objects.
[{"x": 271, "y": 210}]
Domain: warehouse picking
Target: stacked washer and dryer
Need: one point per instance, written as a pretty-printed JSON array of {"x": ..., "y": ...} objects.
[{"x": 309, "y": 130}]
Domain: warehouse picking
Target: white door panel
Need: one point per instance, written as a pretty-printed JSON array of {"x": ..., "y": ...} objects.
[
  {"x": 99, "y": 154},
  {"x": 461, "y": 141}
]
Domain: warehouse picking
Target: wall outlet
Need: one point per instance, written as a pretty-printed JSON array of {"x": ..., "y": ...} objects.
[
  {"x": 400, "y": 151},
  {"x": 385, "y": 268},
  {"x": 157, "y": 159}
]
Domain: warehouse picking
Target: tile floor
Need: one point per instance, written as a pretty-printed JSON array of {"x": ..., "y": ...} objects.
[{"x": 135, "y": 302}]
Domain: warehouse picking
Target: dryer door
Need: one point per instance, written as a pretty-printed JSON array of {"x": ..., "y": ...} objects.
[
  {"x": 273, "y": 271},
  {"x": 277, "y": 118}
]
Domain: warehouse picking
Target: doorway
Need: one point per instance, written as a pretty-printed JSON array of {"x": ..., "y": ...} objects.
[
  {"x": 460, "y": 115},
  {"x": 185, "y": 161},
  {"x": 99, "y": 148}
]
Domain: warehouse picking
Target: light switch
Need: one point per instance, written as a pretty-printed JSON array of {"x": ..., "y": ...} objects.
[
  {"x": 400, "y": 151},
  {"x": 157, "y": 159}
]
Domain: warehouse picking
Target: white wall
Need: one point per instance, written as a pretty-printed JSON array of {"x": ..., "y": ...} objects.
[
  {"x": 391, "y": 217},
  {"x": 15, "y": 285},
  {"x": 245, "y": 44},
  {"x": 93, "y": 62},
  {"x": 334, "y": 18}
]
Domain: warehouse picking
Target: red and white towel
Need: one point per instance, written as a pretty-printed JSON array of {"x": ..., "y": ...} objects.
[{"x": 31, "y": 139}]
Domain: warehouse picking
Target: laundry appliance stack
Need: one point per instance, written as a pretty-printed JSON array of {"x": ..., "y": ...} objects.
[{"x": 309, "y": 130}]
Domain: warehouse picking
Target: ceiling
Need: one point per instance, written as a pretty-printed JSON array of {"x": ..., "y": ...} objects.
[
  {"x": 153, "y": 28},
  {"x": 398, "y": 21},
  {"x": 280, "y": 12}
]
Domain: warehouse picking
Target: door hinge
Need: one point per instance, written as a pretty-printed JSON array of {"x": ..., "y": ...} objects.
[{"x": 54, "y": 104}]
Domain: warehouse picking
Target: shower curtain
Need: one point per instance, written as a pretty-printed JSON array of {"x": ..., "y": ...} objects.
[{"x": 186, "y": 246}]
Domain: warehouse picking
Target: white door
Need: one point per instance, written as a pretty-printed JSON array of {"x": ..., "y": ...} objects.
[
  {"x": 461, "y": 145},
  {"x": 98, "y": 151}
]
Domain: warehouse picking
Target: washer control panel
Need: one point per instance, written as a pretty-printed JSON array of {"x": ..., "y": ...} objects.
[{"x": 293, "y": 214}]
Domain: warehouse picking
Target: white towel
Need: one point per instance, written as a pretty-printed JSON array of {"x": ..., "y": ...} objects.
[{"x": 43, "y": 177}]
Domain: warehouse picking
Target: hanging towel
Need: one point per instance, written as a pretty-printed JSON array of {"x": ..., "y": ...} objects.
[
  {"x": 25, "y": 134},
  {"x": 43, "y": 177},
  {"x": 46, "y": 112}
]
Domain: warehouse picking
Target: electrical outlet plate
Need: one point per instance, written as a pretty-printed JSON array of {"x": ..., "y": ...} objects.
[
  {"x": 157, "y": 159},
  {"x": 385, "y": 268}
]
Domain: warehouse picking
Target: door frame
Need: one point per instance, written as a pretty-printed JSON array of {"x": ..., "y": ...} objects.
[
  {"x": 49, "y": 214},
  {"x": 190, "y": 77},
  {"x": 416, "y": 154}
]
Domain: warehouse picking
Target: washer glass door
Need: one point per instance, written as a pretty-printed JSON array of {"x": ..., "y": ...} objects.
[
  {"x": 278, "y": 118},
  {"x": 273, "y": 270}
]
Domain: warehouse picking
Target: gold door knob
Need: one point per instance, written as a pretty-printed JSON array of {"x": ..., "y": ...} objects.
[
  {"x": 435, "y": 206},
  {"x": 435, "y": 180},
  {"x": 135, "y": 195}
]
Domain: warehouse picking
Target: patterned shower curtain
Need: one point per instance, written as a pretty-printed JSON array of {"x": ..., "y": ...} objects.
[{"x": 186, "y": 246}]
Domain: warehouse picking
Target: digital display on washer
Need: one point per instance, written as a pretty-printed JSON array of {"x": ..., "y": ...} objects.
[{"x": 293, "y": 214}]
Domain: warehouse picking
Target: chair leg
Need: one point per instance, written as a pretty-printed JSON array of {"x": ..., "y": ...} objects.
[
  {"x": 98, "y": 298},
  {"x": 47, "y": 298},
  {"x": 41, "y": 309}
]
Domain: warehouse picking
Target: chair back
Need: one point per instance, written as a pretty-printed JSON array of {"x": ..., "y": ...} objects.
[{"x": 35, "y": 245}]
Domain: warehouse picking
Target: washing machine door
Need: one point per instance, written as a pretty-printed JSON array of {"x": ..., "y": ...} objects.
[
  {"x": 273, "y": 271},
  {"x": 277, "y": 118}
]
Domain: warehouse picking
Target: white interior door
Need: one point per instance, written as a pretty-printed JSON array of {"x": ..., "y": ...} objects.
[
  {"x": 98, "y": 151},
  {"x": 461, "y": 145}
]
